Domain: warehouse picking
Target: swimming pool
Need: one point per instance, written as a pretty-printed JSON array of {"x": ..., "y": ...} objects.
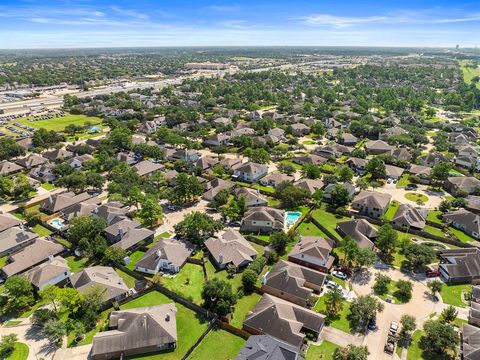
[
  {"x": 57, "y": 223},
  {"x": 291, "y": 217}
]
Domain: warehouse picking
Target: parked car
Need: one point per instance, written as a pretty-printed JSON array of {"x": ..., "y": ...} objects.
[
  {"x": 393, "y": 329},
  {"x": 411, "y": 187},
  {"x": 432, "y": 273},
  {"x": 372, "y": 323},
  {"x": 339, "y": 274},
  {"x": 332, "y": 285},
  {"x": 390, "y": 345},
  {"x": 345, "y": 270}
]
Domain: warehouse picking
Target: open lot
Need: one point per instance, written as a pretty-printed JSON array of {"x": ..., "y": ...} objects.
[{"x": 59, "y": 124}]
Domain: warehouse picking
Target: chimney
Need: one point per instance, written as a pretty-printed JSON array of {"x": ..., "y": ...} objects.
[
  {"x": 220, "y": 258},
  {"x": 120, "y": 232},
  {"x": 167, "y": 317},
  {"x": 145, "y": 321},
  {"x": 50, "y": 258}
]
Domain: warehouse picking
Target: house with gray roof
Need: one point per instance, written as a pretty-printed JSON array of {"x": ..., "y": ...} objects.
[
  {"x": 359, "y": 230},
  {"x": 313, "y": 252},
  {"x": 230, "y": 248},
  {"x": 252, "y": 196},
  {"x": 275, "y": 178},
  {"x": 394, "y": 172},
  {"x": 217, "y": 140},
  {"x": 8, "y": 168},
  {"x": 464, "y": 220},
  {"x": 460, "y": 266},
  {"x": 371, "y": 203},
  {"x": 465, "y": 183},
  {"x": 214, "y": 186},
  {"x": 409, "y": 217},
  {"x": 58, "y": 154},
  {"x": 293, "y": 282},
  {"x": 7, "y": 221},
  {"x": 127, "y": 234},
  {"x": 58, "y": 202},
  {"x": 263, "y": 219},
  {"x": 147, "y": 168},
  {"x": 54, "y": 271},
  {"x": 111, "y": 211},
  {"x": 250, "y": 172},
  {"x": 310, "y": 185},
  {"x": 31, "y": 161},
  {"x": 137, "y": 331},
  {"x": 376, "y": 147},
  {"x": 470, "y": 342},
  {"x": 165, "y": 255},
  {"x": 422, "y": 172},
  {"x": 311, "y": 159},
  {"x": 432, "y": 158},
  {"x": 265, "y": 347},
  {"x": 283, "y": 320},
  {"x": 14, "y": 238},
  {"x": 104, "y": 277}
]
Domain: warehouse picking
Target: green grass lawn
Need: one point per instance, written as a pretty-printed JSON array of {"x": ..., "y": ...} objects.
[
  {"x": 328, "y": 220},
  {"x": 12, "y": 323},
  {"x": 48, "y": 186},
  {"x": 309, "y": 229},
  {"x": 392, "y": 209},
  {"x": 463, "y": 237},
  {"x": 392, "y": 290},
  {"x": 309, "y": 142},
  {"x": 403, "y": 181},
  {"x": 59, "y": 124},
  {"x": 433, "y": 216},
  {"x": 242, "y": 307},
  {"x": 469, "y": 73},
  {"x": 75, "y": 263},
  {"x": 433, "y": 230},
  {"x": 210, "y": 346},
  {"x": 212, "y": 272},
  {"x": 3, "y": 261},
  {"x": 187, "y": 283},
  {"x": 398, "y": 259},
  {"x": 323, "y": 351},
  {"x": 452, "y": 294},
  {"x": 414, "y": 351},
  {"x": 128, "y": 279},
  {"x": 20, "y": 352},
  {"x": 41, "y": 230},
  {"x": 189, "y": 325},
  {"x": 134, "y": 257},
  {"x": 88, "y": 339},
  {"x": 272, "y": 202},
  {"x": 416, "y": 197},
  {"x": 340, "y": 321}
]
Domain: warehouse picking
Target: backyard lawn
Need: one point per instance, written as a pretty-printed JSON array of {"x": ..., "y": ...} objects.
[
  {"x": 75, "y": 264},
  {"x": 434, "y": 231},
  {"x": 392, "y": 209},
  {"x": 328, "y": 220},
  {"x": 3, "y": 261},
  {"x": 41, "y": 230},
  {"x": 219, "y": 344},
  {"x": 187, "y": 283},
  {"x": 452, "y": 294},
  {"x": 128, "y": 279},
  {"x": 323, "y": 351},
  {"x": 212, "y": 272},
  {"x": 20, "y": 352},
  {"x": 190, "y": 325},
  {"x": 433, "y": 216},
  {"x": 463, "y": 237},
  {"x": 414, "y": 351},
  {"x": 48, "y": 186},
  {"x": 310, "y": 229},
  {"x": 134, "y": 257},
  {"x": 340, "y": 321},
  {"x": 242, "y": 307}
]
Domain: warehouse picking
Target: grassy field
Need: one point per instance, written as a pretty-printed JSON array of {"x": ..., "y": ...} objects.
[
  {"x": 309, "y": 229},
  {"x": 416, "y": 197},
  {"x": 463, "y": 237},
  {"x": 392, "y": 290},
  {"x": 414, "y": 351},
  {"x": 3, "y": 261},
  {"x": 75, "y": 264},
  {"x": 187, "y": 283},
  {"x": 242, "y": 307},
  {"x": 323, "y": 351},
  {"x": 328, "y": 220},
  {"x": 134, "y": 257},
  {"x": 340, "y": 321},
  {"x": 469, "y": 73},
  {"x": 48, "y": 186},
  {"x": 212, "y": 272},
  {"x": 392, "y": 209},
  {"x": 41, "y": 230},
  {"x": 433, "y": 230},
  {"x": 230, "y": 346},
  {"x": 433, "y": 216},
  {"x": 189, "y": 325},
  {"x": 20, "y": 352},
  {"x": 88, "y": 339},
  {"x": 59, "y": 124},
  {"x": 452, "y": 294}
]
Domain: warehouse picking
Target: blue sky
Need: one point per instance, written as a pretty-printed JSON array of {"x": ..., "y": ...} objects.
[{"x": 89, "y": 23}]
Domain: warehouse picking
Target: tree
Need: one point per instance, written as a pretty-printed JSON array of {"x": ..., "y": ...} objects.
[
  {"x": 387, "y": 240},
  {"x": 95, "y": 180},
  {"x": 85, "y": 227},
  {"x": 449, "y": 314},
  {"x": 249, "y": 279},
  {"x": 279, "y": 242},
  {"x": 334, "y": 302},
  {"x": 19, "y": 295},
  {"x": 72, "y": 299},
  {"x": 404, "y": 290},
  {"x": 365, "y": 257},
  {"x": 435, "y": 286},
  {"x": 351, "y": 352},
  {"x": 218, "y": 297},
  {"x": 440, "y": 172},
  {"x": 418, "y": 256},
  {"x": 114, "y": 255},
  {"x": 350, "y": 249},
  {"x": 311, "y": 171},
  {"x": 197, "y": 227},
  {"x": 185, "y": 189},
  {"x": 381, "y": 284},
  {"x": 439, "y": 338},
  {"x": 286, "y": 168},
  {"x": 409, "y": 324},
  {"x": 376, "y": 168},
  {"x": 345, "y": 173},
  {"x": 260, "y": 155},
  {"x": 235, "y": 209},
  {"x": 50, "y": 294},
  {"x": 364, "y": 308},
  {"x": 41, "y": 316},
  {"x": 339, "y": 196},
  {"x": 55, "y": 330},
  {"x": 9, "y": 149},
  {"x": 7, "y": 345},
  {"x": 290, "y": 195},
  {"x": 150, "y": 211}
]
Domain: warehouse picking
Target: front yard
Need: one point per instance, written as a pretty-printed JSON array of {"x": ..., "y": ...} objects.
[
  {"x": 323, "y": 351},
  {"x": 452, "y": 294},
  {"x": 392, "y": 210},
  {"x": 340, "y": 321},
  {"x": 414, "y": 351},
  {"x": 218, "y": 344}
]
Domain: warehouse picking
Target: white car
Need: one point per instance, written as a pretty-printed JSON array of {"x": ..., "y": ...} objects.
[
  {"x": 339, "y": 274},
  {"x": 332, "y": 285}
]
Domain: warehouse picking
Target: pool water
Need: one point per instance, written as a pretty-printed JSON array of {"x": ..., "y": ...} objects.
[
  {"x": 291, "y": 217},
  {"x": 57, "y": 223}
]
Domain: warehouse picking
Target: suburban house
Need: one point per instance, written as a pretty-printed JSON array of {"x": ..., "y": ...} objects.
[
  {"x": 473, "y": 203},
  {"x": 104, "y": 277},
  {"x": 58, "y": 202},
  {"x": 147, "y": 168},
  {"x": 275, "y": 178},
  {"x": 265, "y": 347},
  {"x": 300, "y": 129},
  {"x": 422, "y": 172},
  {"x": 217, "y": 140},
  {"x": 393, "y": 172},
  {"x": 7, "y": 221},
  {"x": 165, "y": 255},
  {"x": 357, "y": 164},
  {"x": 8, "y": 168},
  {"x": 263, "y": 219},
  {"x": 470, "y": 342},
  {"x": 230, "y": 248},
  {"x": 283, "y": 320},
  {"x": 464, "y": 220},
  {"x": 214, "y": 186},
  {"x": 52, "y": 272},
  {"x": 350, "y": 188},
  {"x": 252, "y": 197},
  {"x": 126, "y": 233},
  {"x": 371, "y": 203},
  {"x": 250, "y": 172},
  {"x": 293, "y": 282},
  {"x": 348, "y": 139},
  {"x": 185, "y": 155},
  {"x": 393, "y": 131},
  {"x": 313, "y": 252},
  {"x": 377, "y": 147},
  {"x": 78, "y": 161},
  {"x": 31, "y": 161},
  {"x": 129, "y": 158},
  {"x": 205, "y": 163},
  {"x": 85, "y": 208},
  {"x": 359, "y": 230},
  {"x": 311, "y": 159},
  {"x": 310, "y": 185},
  {"x": 111, "y": 211},
  {"x": 58, "y": 154},
  {"x": 401, "y": 154},
  {"x": 465, "y": 183},
  {"x": 44, "y": 173},
  {"x": 432, "y": 158},
  {"x": 409, "y": 217},
  {"x": 137, "y": 331},
  {"x": 30, "y": 256},
  {"x": 461, "y": 266},
  {"x": 14, "y": 238}
]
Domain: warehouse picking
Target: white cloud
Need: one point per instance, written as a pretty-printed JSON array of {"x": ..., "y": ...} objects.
[{"x": 224, "y": 8}]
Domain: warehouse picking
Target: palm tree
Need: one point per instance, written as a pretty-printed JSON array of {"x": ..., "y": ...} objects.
[{"x": 334, "y": 302}]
